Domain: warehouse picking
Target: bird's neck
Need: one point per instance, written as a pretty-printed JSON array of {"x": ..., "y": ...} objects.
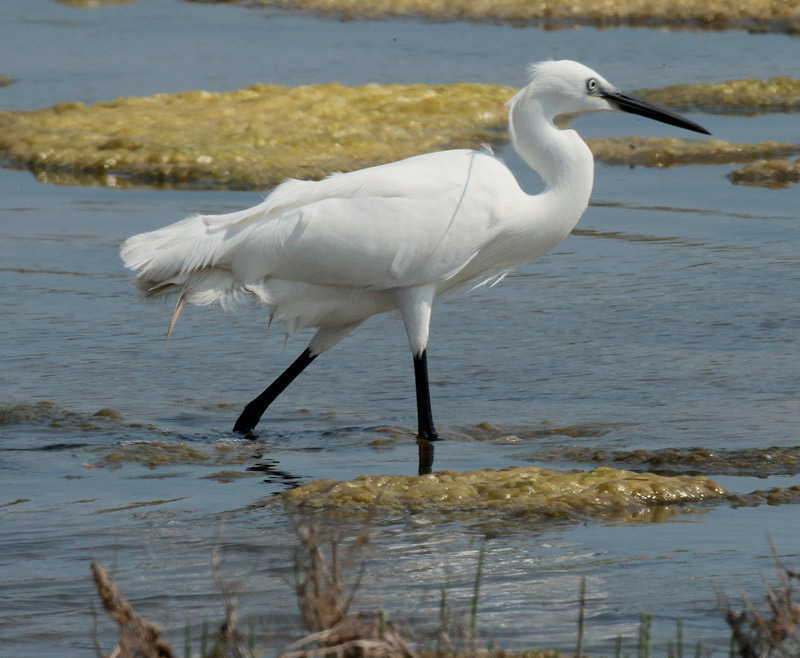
[{"x": 560, "y": 157}]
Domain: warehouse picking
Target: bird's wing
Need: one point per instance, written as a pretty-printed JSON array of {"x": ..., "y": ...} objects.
[{"x": 408, "y": 223}]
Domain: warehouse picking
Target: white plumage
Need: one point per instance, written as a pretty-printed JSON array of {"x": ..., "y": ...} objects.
[{"x": 332, "y": 253}]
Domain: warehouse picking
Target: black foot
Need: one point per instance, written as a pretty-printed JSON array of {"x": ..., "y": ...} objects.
[
  {"x": 247, "y": 422},
  {"x": 428, "y": 435}
]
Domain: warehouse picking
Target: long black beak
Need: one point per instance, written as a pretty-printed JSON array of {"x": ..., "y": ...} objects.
[{"x": 635, "y": 106}]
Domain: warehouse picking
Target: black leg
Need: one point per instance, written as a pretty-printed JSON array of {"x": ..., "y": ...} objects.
[
  {"x": 426, "y": 429},
  {"x": 254, "y": 410}
]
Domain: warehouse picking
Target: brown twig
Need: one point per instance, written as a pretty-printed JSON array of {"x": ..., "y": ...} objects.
[
  {"x": 775, "y": 634},
  {"x": 138, "y": 638}
]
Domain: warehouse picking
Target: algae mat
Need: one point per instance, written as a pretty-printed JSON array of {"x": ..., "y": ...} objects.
[
  {"x": 746, "y": 96},
  {"x": 756, "y": 15},
  {"x": 593, "y": 493},
  {"x": 251, "y": 138},
  {"x": 256, "y": 137}
]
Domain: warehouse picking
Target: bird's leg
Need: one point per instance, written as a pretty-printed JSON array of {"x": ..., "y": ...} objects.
[
  {"x": 254, "y": 410},
  {"x": 426, "y": 429},
  {"x": 414, "y": 305}
]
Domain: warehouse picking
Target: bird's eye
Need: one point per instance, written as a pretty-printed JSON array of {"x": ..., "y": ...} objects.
[{"x": 592, "y": 85}]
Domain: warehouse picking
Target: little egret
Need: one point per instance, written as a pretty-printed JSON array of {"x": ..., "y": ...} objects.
[{"x": 330, "y": 254}]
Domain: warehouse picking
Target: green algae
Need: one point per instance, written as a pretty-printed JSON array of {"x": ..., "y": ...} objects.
[
  {"x": 747, "y": 96},
  {"x": 755, "y": 15},
  {"x": 155, "y": 454},
  {"x": 754, "y": 462},
  {"x": 250, "y": 138},
  {"x": 775, "y": 496},
  {"x": 670, "y": 152},
  {"x": 259, "y": 136},
  {"x": 36, "y": 413},
  {"x": 224, "y": 477},
  {"x": 544, "y": 491},
  {"x": 48, "y": 413},
  {"x": 774, "y": 173}
]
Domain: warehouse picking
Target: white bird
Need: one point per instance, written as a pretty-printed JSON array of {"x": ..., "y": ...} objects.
[{"x": 330, "y": 254}]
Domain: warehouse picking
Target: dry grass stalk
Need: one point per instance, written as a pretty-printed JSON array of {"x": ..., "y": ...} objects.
[
  {"x": 328, "y": 574},
  {"x": 327, "y": 577},
  {"x": 138, "y": 638},
  {"x": 230, "y": 641},
  {"x": 371, "y": 642},
  {"x": 775, "y": 634}
]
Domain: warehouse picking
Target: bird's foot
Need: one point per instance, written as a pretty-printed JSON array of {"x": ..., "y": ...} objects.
[
  {"x": 250, "y": 435},
  {"x": 428, "y": 435},
  {"x": 250, "y": 416},
  {"x": 245, "y": 424}
]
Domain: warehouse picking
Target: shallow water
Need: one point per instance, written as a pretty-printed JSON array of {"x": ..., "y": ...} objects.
[{"x": 668, "y": 320}]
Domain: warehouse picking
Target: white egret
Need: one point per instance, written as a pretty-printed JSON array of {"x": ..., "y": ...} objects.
[{"x": 330, "y": 254}]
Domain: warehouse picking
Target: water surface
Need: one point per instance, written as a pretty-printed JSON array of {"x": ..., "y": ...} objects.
[{"x": 669, "y": 319}]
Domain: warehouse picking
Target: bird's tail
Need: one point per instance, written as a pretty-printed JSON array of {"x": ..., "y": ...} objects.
[{"x": 186, "y": 259}]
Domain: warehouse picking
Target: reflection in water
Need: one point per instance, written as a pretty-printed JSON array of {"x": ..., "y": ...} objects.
[
  {"x": 275, "y": 475},
  {"x": 425, "y": 456}
]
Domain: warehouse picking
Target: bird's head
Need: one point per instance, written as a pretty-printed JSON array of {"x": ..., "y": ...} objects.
[{"x": 568, "y": 88}]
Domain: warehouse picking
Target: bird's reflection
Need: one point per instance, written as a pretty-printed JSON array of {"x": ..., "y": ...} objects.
[
  {"x": 274, "y": 474},
  {"x": 270, "y": 467},
  {"x": 425, "y": 456}
]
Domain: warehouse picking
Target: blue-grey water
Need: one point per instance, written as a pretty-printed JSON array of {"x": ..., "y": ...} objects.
[{"x": 668, "y": 320}]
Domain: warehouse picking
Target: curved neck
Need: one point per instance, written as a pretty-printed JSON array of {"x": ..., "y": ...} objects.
[{"x": 560, "y": 157}]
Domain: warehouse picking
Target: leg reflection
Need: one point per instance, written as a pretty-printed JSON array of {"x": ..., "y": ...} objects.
[{"x": 425, "y": 456}]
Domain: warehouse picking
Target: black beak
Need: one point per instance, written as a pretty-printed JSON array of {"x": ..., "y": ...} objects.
[{"x": 635, "y": 106}]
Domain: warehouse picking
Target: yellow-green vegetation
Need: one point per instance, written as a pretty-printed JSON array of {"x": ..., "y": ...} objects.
[
  {"x": 761, "y": 462},
  {"x": 748, "y": 96},
  {"x": 47, "y": 413},
  {"x": 154, "y": 454},
  {"x": 37, "y": 413},
  {"x": 766, "y": 15},
  {"x": 259, "y": 136},
  {"x": 518, "y": 488},
  {"x": 774, "y": 173},
  {"x": 774, "y": 496},
  {"x": 658, "y": 152},
  {"x": 251, "y": 138},
  {"x": 5, "y": 80}
]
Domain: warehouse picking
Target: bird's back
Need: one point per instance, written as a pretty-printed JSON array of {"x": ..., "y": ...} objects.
[{"x": 401, "y": 224}]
